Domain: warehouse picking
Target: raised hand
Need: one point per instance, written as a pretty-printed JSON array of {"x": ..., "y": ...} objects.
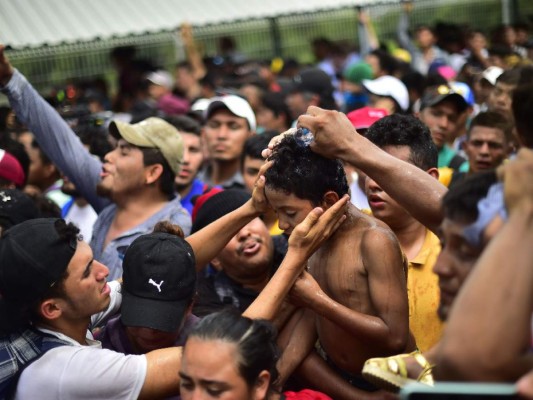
[
  {"x": 6, "y": 69},
  {"x": 517, "y": 183},
  {"x": 275, "y": 140},
  {"x": 259, "y": 200},
  {"x": 333, "y": 133}
]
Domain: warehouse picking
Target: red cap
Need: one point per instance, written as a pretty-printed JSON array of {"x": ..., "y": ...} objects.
[
  {"x": 362, "y": 118},
  {"x": 10, "y": 169},
  {"x": 200, "y": 200}
]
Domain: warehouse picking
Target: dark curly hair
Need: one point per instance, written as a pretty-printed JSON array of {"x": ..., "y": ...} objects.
[{"x": 298, "y": 170}]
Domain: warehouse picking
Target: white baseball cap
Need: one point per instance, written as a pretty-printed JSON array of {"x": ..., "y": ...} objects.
[
  {"x": 391, "y": 87},
  {"x": 491, "y": 74},
  {"x": 161, "y": 78},
  {"x": 236, "y": 105}
]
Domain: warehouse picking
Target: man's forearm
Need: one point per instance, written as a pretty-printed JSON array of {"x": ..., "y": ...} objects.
[
  {"x": 270, "y": 300},
  {"x": 414, "y": 189}
]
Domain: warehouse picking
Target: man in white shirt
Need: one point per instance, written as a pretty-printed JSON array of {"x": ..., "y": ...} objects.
[{"x": 53, "y": 290}]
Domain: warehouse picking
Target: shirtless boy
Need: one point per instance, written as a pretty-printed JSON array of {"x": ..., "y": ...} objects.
[{"x": 354, "y": 298}]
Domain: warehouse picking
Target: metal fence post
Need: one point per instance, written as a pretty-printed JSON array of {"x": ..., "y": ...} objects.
[{"x": 276, "y": 39}]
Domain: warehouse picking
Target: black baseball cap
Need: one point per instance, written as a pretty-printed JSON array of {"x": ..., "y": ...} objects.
[
  {"x": 216, "y": 206},
  {"x": 159, "y": 281},
  {"x": 33, "y": 256},
  {"x": 313, "y": 80},
  {"x": 437, "y": 94}
]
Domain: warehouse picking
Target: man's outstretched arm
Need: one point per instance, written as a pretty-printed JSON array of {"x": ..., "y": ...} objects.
[
  {"x": 53, "y": 134},
  {"x": 335, "y": 137}
]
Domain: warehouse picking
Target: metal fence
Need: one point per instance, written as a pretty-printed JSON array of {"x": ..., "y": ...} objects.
[{"x": 286, "y": 36}]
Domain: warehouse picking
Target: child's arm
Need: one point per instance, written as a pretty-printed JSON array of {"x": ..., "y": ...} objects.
[
  {"x": 388, "y": 328},
  {"x": 297, "y": 340}
]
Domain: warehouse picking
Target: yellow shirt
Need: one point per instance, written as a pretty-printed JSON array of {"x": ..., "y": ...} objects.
[{"x": 424, "y": 295}]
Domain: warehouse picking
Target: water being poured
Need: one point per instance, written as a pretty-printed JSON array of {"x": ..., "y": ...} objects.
[{"x": 303, "y": 137}]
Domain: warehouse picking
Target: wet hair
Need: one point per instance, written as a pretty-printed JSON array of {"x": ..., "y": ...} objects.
[
  {"x": 255, "y": 144},
  {"x": 492, "y": 119},
  {"x": 405, "y": 130},
  {"x": 255, "y": 340},
  {"x": 17, "y": 315},
  {"x": 153, "y": 156},
  {"x": 298, "y": 170},
  {"x": 184, "y": 124},
  {"x": 460, "y": 202}
]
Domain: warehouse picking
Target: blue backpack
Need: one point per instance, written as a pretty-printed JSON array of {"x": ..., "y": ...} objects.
[{"x": 17, "y": 351}]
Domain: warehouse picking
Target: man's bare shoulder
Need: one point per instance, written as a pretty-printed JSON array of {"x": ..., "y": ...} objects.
[{"x": 380, "y": 248}]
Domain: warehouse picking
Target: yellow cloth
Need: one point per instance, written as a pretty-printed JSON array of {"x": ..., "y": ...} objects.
[
  {"x": 423, "y": 293},
  {"x": 445, "y": 175},
  {"x": 274, "y": 230}
]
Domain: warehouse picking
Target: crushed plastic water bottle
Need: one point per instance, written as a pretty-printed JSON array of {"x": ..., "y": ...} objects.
[{"x": 303, "y": 136}]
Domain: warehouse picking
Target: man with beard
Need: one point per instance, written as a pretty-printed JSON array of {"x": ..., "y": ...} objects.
[
  {"x": 78, "y": 210},
  {"x": 135, "y": 184}
]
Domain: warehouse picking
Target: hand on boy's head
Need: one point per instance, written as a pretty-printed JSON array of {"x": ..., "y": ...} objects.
[
  {"x": 333, "y": 132},
  {"x": 318, "y": 226},
  {"x": 6, "y": 69},
  {"x": 259, "y": 200},
  {"x": 274, "y": 142},
  {"x": 518, "y": 186}
]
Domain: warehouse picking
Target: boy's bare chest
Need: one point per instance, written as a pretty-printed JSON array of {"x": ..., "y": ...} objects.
[{"x": 341, "y": 274}]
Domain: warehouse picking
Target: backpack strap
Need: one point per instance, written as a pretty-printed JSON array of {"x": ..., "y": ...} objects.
[{"x": 24, "y": 349}]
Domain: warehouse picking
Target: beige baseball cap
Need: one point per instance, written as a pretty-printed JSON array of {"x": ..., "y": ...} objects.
[{"x": 155, "y": 133}]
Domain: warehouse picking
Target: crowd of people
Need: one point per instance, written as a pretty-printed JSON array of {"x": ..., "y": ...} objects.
[{"x": 250, "y": 229}]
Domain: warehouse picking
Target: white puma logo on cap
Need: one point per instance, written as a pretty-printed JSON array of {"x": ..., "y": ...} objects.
[{"x": 157, "y": 285}]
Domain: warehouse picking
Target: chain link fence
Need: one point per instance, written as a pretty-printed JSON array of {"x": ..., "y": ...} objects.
[{"x": 285, "y": 36}]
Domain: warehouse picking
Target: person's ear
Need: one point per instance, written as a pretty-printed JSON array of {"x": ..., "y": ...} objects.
[
  {"x": 215, "y": 262},
  {"x": 329, "y": 199},
  {"x": 261, "y": 385},
  {"x": 434, "y": 172},
  {"x": 152, "y": 173},
  {"x": 315, "y": 100},
  {"x": 51, "y": 309}
]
